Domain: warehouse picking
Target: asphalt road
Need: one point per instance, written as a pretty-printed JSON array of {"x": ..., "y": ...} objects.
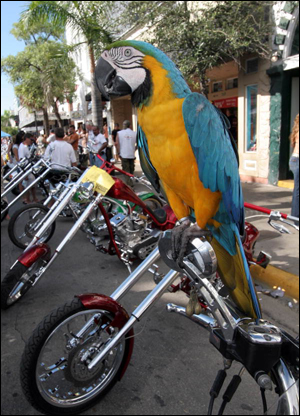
[{"x": 173, "y": 364}]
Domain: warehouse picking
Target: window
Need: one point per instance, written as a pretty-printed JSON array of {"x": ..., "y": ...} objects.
[
  {"x": 251, "y": 118},
  {"x": 251, "y": 66},
  {"x": 231, "y": 83},
  {"x": 217, "y": 86}
]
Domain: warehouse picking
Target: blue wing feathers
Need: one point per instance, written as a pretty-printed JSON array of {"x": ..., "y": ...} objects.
[{"x": 216, "y": 160}]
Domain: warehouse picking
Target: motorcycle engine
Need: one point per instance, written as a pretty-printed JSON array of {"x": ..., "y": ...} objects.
[{"x": 129, "y": 230}]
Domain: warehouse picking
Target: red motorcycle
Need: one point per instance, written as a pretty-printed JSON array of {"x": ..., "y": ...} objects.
[
  {"x": 79, "y": 351},
  {"x": 119, "y": 222}
]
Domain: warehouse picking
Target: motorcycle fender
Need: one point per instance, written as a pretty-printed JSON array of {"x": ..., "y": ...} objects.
[
  {"x": 97, "y": 301},
  {"x": 34, "y": 253}
]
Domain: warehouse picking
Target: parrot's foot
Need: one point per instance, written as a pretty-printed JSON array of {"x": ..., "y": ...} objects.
[{"x": 182, "y": 235}]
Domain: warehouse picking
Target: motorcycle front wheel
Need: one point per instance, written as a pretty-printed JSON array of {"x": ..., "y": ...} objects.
[
  {"x": 54, "y": 374},
  {"x": 24, "y": 224},
  {"x": 18, "y": 281}
]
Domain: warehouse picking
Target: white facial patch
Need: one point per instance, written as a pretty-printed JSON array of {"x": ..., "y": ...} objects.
[{"x": 127, "y": 62}]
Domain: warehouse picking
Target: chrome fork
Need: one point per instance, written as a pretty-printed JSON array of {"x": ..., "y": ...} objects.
[
  {"x": 28, "y": 187},
  {"x": 16, "y": 182},
  {"x": 17, "y": 176},
  {"x": 70, "y": 234},
  {"x": 64, "y": 200},
  {"x": 216, "y": 305}
]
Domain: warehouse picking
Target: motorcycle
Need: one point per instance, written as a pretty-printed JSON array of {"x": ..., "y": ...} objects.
[
  {"x": 40, "y": 170},
  {"x": 118, "y": 222},
  {"x": 26, "y": 221},
  {"x": 82, "y": 349},
  {"x": 12, "y": 177}
]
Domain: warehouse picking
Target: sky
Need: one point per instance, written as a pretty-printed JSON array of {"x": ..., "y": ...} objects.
[{"x": 10, "y": 13}]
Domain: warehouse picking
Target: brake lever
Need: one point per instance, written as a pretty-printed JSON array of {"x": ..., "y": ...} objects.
[
  {"x": 278, "y": 227},
  {"x": 276, "y": 216}
]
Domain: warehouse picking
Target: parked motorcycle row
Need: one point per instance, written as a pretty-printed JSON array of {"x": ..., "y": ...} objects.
[{"x": 78, "y": 353}]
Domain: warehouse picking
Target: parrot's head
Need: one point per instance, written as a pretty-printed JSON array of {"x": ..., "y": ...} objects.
[{"x": 121, "y": 71}]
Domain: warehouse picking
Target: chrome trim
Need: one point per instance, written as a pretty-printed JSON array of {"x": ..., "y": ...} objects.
[
  {"x": 154, "y": 295},
  {"x": 136, "y": 275},
  {"x": 203, "y": 320},
  {"x": 69, "y": 194},
  {"x": 70, "y": 234},
  {"x": 26, "y": 189},
  {"x": 216, "y": 304},
  {"x": 287, "y": 383}
]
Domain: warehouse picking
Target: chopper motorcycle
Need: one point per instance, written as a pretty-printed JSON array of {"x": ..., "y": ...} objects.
[
  {"x": 25, "y": 222},
  {"x": 118, "y": 222},
  {"x": 12, "y": 177},
  {"x": 79, "y": 351}
]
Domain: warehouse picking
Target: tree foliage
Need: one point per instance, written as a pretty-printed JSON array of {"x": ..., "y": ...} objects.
[
  {"x": 6, "y": 125},
  {"x": 43, "y": 73},
  {"x": 87, "y": 18},
  {"x": 201, "y": 35}
]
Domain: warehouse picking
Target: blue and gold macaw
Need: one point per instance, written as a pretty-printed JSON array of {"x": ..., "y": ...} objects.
[{"x": 185, "y": 140}]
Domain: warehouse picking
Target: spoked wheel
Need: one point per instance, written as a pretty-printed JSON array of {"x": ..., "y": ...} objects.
[
  {"x": 25, "y": 222},
  {"x": 18, "y": 281},
  {"x": 54, "y": 369}
]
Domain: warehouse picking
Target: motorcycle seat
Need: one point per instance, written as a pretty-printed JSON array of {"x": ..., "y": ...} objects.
[{"x": 160, "y": 215}]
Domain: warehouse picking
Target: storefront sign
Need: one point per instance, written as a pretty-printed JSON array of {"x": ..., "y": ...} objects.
[{"x": 226, "y": 102}]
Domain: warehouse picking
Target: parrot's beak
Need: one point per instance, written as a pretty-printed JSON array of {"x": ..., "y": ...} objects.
[{"x": 108, "y": 82}]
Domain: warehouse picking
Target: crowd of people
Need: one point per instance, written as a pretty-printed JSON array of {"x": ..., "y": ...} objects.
[
  {"x": 81, "y": 147},
  {"x": 74, "y": 148}
]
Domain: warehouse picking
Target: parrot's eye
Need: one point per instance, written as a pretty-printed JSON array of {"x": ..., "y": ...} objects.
[{"x": 127, "y": 53}]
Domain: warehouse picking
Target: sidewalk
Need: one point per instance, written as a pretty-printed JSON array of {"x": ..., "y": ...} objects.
[{"x": 284, "y": 248}]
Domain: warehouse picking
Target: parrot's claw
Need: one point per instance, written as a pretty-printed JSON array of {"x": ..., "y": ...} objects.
[{"x": 182, "y": 235}]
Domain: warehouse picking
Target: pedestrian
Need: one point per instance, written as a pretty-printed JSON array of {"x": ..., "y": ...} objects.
[
  {"x": 60, "y": 152},
  {"x": 98, "y": 146},
  {"x": 126, "y": 147},
  {"x": 114, "y": 139},
  {"x": 23, "y": 151},
  {"x": 2, "y": 186},
  {"x": 90, "y": 133},
  {"x": 14, "y": 153},
  {"x": 51, "y": 137},
  {"x": 105, "y": 130},
  {"x": 40, "y": 145},
  {"x": 294, "y": 166},
  {"x": 73, "y": 138},
  {"x": 82, "y": 146}
]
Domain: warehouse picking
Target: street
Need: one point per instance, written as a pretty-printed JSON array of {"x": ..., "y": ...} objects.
[{"x": 173, "y": 365}]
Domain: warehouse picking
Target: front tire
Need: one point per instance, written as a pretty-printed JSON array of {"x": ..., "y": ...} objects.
[
  {"x": 54, "y": 374},
  {"x": 24, "y": 224},
  {"x": 17, "y": 282}
]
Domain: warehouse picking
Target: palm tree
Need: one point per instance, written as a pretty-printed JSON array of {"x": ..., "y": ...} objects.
[{"x": 89, "y": 18}]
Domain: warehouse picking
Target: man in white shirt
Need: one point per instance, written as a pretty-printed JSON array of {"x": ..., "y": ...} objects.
[
  {"x": 98, "y": 145},
  {"x": 23, "y": 150},
  {"x": 89, "y": 130},
  {"x": 60, "y": 151},
  {"x": 126, "y": 147},
  {"x": 51, "y": 137}
]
